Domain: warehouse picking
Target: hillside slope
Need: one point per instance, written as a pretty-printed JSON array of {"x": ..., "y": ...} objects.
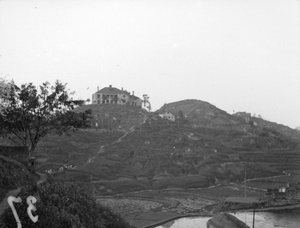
[
  {"x": 204, "y": 114},
  {"x": 293, "y": 133},
  {"x": 163, "y": 154},
  {"x": 200, "y": 113},
  {"x": 114, "y": 117},
  {"x": 205, "y": 146}
]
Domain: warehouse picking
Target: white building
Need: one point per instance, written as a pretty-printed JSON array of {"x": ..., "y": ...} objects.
[{"x": 112, "y": 95}]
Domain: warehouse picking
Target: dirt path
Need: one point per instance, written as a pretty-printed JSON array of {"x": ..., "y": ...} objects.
[
  {"x": 101, "y": 150},
  {"x": 285, "y": 173}
]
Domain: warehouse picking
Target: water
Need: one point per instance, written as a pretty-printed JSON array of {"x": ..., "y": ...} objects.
[
  {"x": 262, "y": 220},
  {"x": 196, "y": 222},
  {"x": 271, "y": 219}
]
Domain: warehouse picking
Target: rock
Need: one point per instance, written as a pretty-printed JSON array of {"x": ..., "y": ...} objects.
[{"x": 225, "y": 220}]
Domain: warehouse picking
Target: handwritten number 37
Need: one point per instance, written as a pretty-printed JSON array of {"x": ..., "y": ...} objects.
[{"x": 30, "y": 201}]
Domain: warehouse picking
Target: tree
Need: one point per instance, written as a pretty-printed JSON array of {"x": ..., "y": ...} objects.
[
  {"x": 146, "y": 102},
  {"x": 30, "y": 113},
  {"x": 4, "y": 92}
]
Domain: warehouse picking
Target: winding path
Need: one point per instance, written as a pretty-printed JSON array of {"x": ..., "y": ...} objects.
[{"x": 101, "y": 150}]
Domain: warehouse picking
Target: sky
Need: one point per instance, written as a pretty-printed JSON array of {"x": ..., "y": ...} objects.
[{"x": 237, "y": 55}]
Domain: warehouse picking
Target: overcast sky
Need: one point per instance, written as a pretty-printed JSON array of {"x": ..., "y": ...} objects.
[{"x": 241, "y": 55}]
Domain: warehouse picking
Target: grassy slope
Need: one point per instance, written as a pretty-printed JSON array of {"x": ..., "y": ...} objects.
[
  {"x": 114, "y": 117},
  {"x": 164, "y": 155},
  {"x": 191, "y": 152},
  {"x": 74, "y": 149}
]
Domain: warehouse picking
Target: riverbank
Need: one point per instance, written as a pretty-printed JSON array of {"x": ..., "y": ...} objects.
[
  {"x": 151, "y": 208},
  {"x": 157, "y": 219},
  {"x": 272, "y": 209}
]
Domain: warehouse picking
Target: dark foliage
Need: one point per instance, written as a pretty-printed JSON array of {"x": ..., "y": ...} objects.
[
  {"x": 61, "y": 205},
  {"x": 28, "y": 113}
]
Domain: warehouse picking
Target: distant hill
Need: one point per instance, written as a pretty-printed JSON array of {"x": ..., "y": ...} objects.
[
  {"x": 200, "y": 113},
  {"x": 204, "y": 114}
]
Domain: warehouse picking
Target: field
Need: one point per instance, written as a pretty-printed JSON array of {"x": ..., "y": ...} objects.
[{"x": 144, "y": 208}]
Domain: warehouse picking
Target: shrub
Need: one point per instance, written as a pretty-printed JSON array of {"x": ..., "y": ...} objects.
[{"x": 61, "y": 205}]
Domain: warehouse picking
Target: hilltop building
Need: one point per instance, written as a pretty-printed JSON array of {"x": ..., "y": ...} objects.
[
  {"x": 168, "y": 115},
  {"x": 112, "y": 95}
]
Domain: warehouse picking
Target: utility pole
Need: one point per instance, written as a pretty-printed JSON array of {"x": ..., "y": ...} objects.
[
  {"x": 141, "y": 127},
  {"x": 253, "y": 215},
  {"x": 245, "y": 194}
]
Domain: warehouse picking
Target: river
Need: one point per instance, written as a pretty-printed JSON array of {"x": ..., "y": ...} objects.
[{"x": 262, "y": 220}]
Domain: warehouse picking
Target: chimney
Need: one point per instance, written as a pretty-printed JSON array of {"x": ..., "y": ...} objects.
[
  {"x": 132, "y": 93},
  {"x": 122, "y": 88},
  {"x": 97, "y": 88},
  {"x": 109, "y": 86}
]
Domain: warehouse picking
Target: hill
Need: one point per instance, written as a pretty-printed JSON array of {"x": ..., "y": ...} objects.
[
  {"x": 201, "y": 113},
  {"x": 74, "y": 148},
  {"x": 204, "y": 150},
  {"x": 114, "y": 117},
  {"x": 204, "y": 114},
  {"x": 204, "y": 146},
  {"x": 293, "y": 133}
]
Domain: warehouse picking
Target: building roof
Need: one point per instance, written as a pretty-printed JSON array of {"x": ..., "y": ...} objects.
[
  {"x": 112, "y": 90},
  {"x": 168, "y": 111},
  {"x": 135, "y": 97},
  {"x": 248, "y": 200}
]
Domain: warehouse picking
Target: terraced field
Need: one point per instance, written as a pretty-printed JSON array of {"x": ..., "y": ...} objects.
[{"x": 280, "y": 159}]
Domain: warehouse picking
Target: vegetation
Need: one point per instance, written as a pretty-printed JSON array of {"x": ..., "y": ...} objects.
[
  {"x": 12, "y": 175},
  {"x": 113, "y": 117},
  {"x": 61, "y": 205},
  {"x": 74, "y": 149},
  {"x": 28, "y": 113}
]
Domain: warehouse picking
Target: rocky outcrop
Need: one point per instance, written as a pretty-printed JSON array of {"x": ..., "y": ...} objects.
[{"x": 225, "y": 220}]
